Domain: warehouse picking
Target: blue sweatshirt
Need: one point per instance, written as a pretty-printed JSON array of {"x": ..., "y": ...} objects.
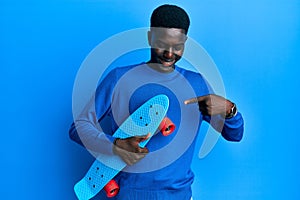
[{"x": 165, "y": 173}]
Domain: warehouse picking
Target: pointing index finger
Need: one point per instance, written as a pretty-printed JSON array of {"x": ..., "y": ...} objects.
[
  {"x": 193, "y": 100},
  {"x": 190, "y": 101}
]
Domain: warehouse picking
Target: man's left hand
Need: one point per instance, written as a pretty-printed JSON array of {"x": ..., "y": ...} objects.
[{"x": 212, "y": 104}]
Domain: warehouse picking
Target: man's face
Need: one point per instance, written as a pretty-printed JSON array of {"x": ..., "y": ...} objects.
[{"x": 167, "y": 46}]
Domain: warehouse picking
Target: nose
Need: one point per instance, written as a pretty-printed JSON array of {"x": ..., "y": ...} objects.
[{"x": 168, "y": 53}]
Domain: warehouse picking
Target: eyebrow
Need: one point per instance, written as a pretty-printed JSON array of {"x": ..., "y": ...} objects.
[{"x": 159, "y": 40}]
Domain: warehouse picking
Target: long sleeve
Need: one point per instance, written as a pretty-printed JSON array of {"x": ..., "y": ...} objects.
[
  {"x": 231, "y": 129},
  {"x": 86, "y": 129}
]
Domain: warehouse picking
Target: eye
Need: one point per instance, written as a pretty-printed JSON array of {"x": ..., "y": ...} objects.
[
  {"x": 159, "y": 45},
  {"x": 178, "y": 47}
]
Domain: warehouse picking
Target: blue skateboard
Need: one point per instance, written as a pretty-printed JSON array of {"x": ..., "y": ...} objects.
[{"x": 146, "y": 119}]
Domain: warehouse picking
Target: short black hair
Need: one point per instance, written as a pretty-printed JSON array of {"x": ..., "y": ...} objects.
[{"x": 170, "y": 16}]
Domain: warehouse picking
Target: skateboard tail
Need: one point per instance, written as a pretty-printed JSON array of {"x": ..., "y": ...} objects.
[{"x": 97, "y": 177}]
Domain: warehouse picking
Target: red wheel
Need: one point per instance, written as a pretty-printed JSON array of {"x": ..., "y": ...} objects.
[
  {"x": 111, "y": 188},
  {"x": 166, "y": 126}
]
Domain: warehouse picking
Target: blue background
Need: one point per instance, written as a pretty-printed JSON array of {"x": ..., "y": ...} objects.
[{"x": 255, "y": 45}]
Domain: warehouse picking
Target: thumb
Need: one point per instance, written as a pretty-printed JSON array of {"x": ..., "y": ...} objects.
[{"x": 143, "y": 137}]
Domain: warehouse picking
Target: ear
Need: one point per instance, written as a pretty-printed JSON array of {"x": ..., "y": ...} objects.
[{"x": 149, "y": 37}]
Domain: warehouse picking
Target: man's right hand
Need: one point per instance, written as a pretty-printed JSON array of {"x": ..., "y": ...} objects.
[{"x": 129, "y": 150}]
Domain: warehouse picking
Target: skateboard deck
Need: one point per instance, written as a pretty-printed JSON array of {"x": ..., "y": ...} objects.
[{"x": 146, "y": 119}]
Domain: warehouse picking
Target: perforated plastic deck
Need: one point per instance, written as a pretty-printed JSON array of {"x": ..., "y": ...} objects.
[{"x": 145, "y": 119}]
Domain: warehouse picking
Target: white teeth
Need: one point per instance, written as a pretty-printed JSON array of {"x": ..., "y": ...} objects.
[
  {"x": 167, "y": 60},
  {"x": 166, "y": 63}
]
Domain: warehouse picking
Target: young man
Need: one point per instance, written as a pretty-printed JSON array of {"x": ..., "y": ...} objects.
[{"x": 162, "y": 170}]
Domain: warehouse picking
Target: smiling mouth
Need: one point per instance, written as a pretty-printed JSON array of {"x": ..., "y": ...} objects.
[{"x": 167, "y": 63}]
